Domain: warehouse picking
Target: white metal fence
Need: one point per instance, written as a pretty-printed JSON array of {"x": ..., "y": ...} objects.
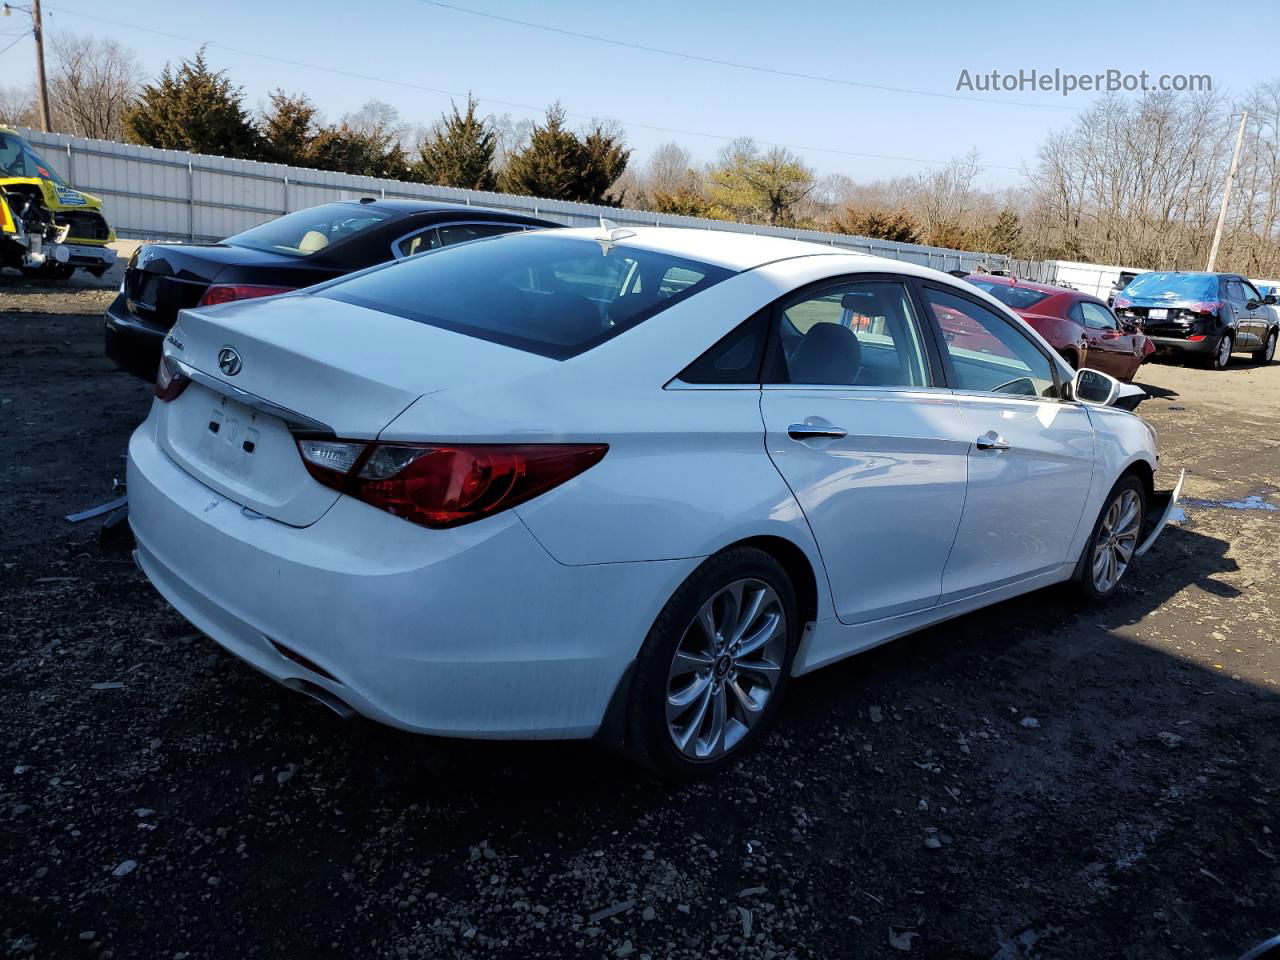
[{"x": 153, "y": 194}]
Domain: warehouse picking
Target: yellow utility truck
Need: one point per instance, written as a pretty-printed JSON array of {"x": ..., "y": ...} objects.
[{"x": 47, "y": 228}]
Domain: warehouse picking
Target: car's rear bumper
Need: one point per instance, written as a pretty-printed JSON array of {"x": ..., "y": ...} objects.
[
  {"x": 132, "y": 343},
  {"x": 1168, "y": 345},
  {"x": 474, "y": 631}
]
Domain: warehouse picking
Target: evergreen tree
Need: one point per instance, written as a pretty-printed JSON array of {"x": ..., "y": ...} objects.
[
  {"x": 459, "y": 151},
  {"x": 896, "y": 226},
  {"x": 1005, "y": 235},
  {"x": 551, "y": 164},
  {"x": 606, "y": 161},
  {"x": 289, "y": 129},
  {"x": 196, "y": 109}
]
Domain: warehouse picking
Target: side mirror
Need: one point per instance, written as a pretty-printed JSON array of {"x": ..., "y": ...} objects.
[
  {"x": 1270, "y": 300},
  {"x": 1253, "y": 304},
  {"x": 1095, "y": 387}
]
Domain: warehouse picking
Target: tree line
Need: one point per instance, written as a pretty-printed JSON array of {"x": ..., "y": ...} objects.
[{"x": 1132, "y": 180}]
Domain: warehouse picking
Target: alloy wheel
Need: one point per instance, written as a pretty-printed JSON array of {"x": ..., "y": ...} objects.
[
  {"x": 1271, "y": 347},
  {"x": 1117, "y": 540},
  {"x": 725, "y": 669},
  {"x": 1224, "y": 352}
]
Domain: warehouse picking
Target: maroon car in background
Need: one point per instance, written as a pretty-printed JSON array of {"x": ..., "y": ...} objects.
[{"x": 1080, "y": 327}]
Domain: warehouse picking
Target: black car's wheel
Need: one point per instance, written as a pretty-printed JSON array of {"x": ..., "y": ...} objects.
[
  {"x": 713, "y": 668},
  {"x": 1221, "y": 356},
  {"x": 1268, "y": 351},
  {"x": 1117, "y": 533}
]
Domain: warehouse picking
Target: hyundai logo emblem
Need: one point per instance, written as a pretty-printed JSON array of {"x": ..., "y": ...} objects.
[{"x": 229, "y": 361}]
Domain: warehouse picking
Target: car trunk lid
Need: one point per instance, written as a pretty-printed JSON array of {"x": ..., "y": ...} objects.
[
  {"x": 163, "y": 278},
  {"x": 305, "y": 365}
]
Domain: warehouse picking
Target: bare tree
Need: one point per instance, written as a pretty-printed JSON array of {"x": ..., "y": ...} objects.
[
  {"x": 17, "y": 106},
  {"x": 943, "y": 199},
  {"x": 513, "y": 136},
  {"x": 669, "y": 168},
  {"x": 1133, "y": 182},
  {"x": 92, "y": 85}
]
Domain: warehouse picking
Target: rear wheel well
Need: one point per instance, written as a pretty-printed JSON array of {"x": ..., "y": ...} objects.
[
  {"x": 1072, "y": 356},
  {"x": 798, "y": 568}
]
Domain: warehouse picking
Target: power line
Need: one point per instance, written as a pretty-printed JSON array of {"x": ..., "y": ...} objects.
[
  {"x": 16, "y": 41},
  {"x": 795, "y": 75},
  {"x": 453, "y": 94}
]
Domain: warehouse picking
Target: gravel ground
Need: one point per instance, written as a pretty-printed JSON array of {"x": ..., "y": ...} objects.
[{"x": 1035, "y": 780}]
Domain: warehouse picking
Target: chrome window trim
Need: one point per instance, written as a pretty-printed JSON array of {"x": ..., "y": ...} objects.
[
  {"x": 395, "y": 244},
  {"x": 860, "y": 388}
]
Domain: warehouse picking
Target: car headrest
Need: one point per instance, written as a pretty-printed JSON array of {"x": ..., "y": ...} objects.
[
  {"x": 828, "y": 353},
  {"x": 312, "y": 241}
]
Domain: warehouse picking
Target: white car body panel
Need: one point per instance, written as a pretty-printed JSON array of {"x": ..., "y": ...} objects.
[
  {"x": 898, "y": 478},
  {"x": 1043, "y": 479},
  {"x": 523, "y": 624}
]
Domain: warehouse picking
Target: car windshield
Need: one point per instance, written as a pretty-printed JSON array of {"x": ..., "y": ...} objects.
[
  {"x": 554, "y": 296},
  {"x": 17, "y": 159},
  {"x": 1020, "y": 298},
  {"x": 1173, "y": 286},
  {"x": 307, "y": 232}
]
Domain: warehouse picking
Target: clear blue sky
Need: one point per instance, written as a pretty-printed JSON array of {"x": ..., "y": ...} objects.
[{"x": 922, "y": 46}]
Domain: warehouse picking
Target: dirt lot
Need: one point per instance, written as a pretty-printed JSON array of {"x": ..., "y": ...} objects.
[{"x": 1035, "y": 780}]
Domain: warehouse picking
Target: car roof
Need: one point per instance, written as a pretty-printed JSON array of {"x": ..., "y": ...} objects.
[
  {"x": 404, "y": 207},
  {"x": 1048, "y": 288},
  {"x": 722, "y": 248}
]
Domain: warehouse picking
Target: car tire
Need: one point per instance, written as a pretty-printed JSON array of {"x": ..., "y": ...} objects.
[
  {"x": 1268, "y": 351},
  {"x": 698, "y": 702},
  {"x": 1072, "y": 358},
  {"x": 1103, "y": 562},
  {"x": 1222, "y": 350}
]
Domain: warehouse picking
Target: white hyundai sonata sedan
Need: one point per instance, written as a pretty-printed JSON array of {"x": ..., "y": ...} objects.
[{"x": 618, "y": 484}]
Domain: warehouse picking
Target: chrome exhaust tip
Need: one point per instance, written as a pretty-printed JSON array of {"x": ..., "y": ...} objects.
[{"x": 321, "y": 696}]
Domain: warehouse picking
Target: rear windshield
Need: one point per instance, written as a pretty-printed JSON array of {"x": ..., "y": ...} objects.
[
  {"x": 307, "y": 232},
  {"x": 1017, "y": 297},
  {"x": 1174, "y": 286},
  {"x": 554, "y": 296},
  {"x": 17, "y": 159}
]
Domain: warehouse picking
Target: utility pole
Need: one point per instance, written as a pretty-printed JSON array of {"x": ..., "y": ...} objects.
[
  {"x": 1226, "y": 193},
  {"x": 37, "y": 31},
  {"x": 42, "y": 88}
]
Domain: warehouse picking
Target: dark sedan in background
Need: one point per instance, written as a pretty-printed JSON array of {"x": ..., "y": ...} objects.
[
  {"x": 1080, "y": 327},
  {"x": 296, "y": 250},
  {"x": 1205, "y": 316}
]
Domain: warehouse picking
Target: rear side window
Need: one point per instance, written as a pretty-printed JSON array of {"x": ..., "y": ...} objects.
[
  {"x": 554, "y": 296},
  {"x": 987, "y": 354},
  {"x": 451, "y": 233},
  {"x": 736, "y": 357}
]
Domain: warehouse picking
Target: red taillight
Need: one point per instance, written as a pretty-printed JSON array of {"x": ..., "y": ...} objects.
[
  {"x": 170, "y": 381},
  {"x": 226, "y": 292},
  {"x": 439, "y": 485},
  {"x": 1207, "y": 307},
  {"x": 1196, "y": 337}
]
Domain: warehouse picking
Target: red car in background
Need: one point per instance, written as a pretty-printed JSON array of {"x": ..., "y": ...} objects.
[{"x": 1080, "y": 327}]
